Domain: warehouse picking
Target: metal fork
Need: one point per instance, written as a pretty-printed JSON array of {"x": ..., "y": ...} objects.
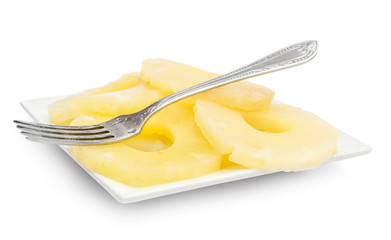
[{"x": 126, "y": 126}]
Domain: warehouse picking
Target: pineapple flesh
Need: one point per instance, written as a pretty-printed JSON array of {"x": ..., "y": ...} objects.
[
  {"x": 280, "y": 137},
  {"x": 126, "y": 95},
  {"x": 164, "y": 152},
  {"x": 171, "y": 77}
]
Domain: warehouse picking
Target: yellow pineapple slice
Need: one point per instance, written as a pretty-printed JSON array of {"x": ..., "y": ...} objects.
[
  {"x": 123, "y": 96},
  {"x": 170, "y": 148},
  {"x": 280, "y": 137},
  {"x": 227, "y": 164},
  {"x": 172, "y": 77}
]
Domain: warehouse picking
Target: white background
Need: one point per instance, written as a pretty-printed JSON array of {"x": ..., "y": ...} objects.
[{"x": 48, "y": 48}]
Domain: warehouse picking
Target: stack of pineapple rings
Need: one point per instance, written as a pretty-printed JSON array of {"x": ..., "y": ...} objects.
[{"x": 193, "y": 137}]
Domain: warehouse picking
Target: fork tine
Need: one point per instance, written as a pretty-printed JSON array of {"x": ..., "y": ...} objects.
[
  {"x": 66, "y": 136},
  {"x": 57, "y": 127},
  {"x": 59, "y": 131}
]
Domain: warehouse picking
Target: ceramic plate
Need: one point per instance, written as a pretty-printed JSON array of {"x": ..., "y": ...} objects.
[{"x": 348, "y": 147}]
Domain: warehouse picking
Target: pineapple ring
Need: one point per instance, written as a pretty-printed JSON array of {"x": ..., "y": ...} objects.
[
  {"x": 189, "y": 156},
  {"x": 172, "y": 77},
  {"x": 278, "y": 138},
  {"x": 123, "y": 96}
]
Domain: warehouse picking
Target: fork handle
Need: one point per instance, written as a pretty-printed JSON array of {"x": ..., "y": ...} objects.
[{"x": 287, "y": 57}]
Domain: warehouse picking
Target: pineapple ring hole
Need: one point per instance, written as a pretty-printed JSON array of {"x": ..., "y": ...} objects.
[
  {"x": 150, "y": 142},
  {"x": 268, "y": 123}
]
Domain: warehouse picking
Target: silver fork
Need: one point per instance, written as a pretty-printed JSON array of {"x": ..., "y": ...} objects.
[{"x": 126, "y": 126}]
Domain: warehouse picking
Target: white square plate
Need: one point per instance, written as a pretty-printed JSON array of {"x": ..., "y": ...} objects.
[{"x": 37, "y": 108}]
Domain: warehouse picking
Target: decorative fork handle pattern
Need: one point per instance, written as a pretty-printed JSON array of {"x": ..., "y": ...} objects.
[{"x": 290, "y": 56}]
